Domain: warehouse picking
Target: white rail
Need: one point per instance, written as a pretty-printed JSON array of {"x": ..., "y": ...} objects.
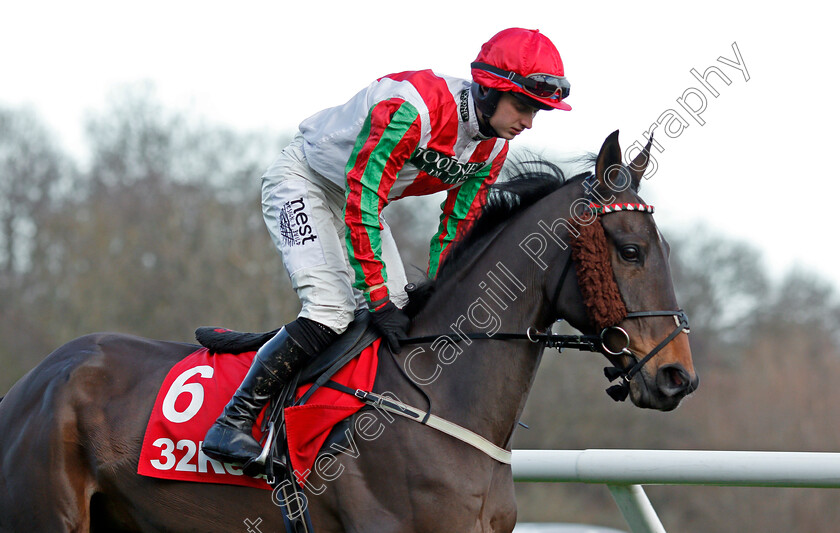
[{"x": 624, "y": 471}]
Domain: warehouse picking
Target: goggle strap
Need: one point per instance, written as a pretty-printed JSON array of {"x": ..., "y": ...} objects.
[{"x": 510, "y": 75}]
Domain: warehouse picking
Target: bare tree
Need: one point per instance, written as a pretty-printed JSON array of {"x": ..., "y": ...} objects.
[
  {"x": 163, "y": 233},
  {"x": 34, "y": 175}
]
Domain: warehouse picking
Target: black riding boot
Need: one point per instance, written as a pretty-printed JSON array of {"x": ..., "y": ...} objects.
[{"x": 230, "y": 439}]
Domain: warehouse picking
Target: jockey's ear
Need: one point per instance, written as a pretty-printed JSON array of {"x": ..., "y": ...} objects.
[{"x": 639, "y": 164}]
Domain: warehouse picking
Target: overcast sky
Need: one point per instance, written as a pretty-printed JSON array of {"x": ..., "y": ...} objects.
[{"x": 757, "y": 168}]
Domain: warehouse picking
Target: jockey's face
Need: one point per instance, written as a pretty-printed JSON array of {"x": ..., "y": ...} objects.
[{"x": 512, "y": 117}]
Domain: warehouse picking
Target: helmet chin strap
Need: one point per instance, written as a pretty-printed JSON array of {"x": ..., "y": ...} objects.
[
  {"x": 485, "y": 100},
  {"x": 484, "y": 126}
]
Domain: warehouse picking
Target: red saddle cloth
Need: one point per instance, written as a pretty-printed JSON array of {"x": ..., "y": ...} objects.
[{"x": 196, "y": 391}]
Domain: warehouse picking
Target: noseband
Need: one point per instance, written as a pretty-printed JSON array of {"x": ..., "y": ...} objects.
[{"x": 619, "y": 391}]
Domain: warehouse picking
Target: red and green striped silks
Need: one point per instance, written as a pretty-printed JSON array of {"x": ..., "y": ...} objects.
[
  {"x": 388, "y": 137},
  {"x": 463, "y": 205}
]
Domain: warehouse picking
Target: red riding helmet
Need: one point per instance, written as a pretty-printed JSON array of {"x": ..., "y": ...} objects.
[{"x": 524, "y": 62}]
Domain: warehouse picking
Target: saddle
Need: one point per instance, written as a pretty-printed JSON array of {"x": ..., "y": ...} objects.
[{"x": 358, "y": 336}]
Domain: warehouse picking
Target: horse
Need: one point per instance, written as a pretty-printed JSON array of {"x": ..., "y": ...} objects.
[{"x": 73, "y": 426}]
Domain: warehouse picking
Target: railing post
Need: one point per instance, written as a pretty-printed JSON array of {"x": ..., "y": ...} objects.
[{"x": 636, "y": 508}]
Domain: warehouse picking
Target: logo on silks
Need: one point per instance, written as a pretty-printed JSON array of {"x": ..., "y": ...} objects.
[
  {"x": 446, "y": 168},
  {"x": 294, "y": 224}
]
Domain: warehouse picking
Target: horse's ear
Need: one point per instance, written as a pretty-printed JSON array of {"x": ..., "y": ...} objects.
[
  {"x": 639, "y": 165},
  {"x": 609, "y": 160}
]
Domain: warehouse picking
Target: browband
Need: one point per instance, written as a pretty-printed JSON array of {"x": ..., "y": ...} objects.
[{"x": 599, "y": 209}]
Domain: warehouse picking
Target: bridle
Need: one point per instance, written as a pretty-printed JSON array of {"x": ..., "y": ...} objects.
[
  {"x": 590, "y": 343},
  {"x": 619, "y": 391}
]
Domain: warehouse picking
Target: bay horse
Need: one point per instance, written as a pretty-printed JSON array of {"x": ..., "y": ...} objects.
[{"x": 72, "y": 428}]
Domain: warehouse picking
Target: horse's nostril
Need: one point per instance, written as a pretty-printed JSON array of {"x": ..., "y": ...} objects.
[
  {"x": 673, "y": 380},
  {"x": 676, "y": 378}
]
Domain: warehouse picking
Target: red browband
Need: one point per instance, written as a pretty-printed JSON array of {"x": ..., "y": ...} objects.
[{"x": 612, "y": 208}]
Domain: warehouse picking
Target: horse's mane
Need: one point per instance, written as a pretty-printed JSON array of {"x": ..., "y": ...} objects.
[{"x": 524, "y": 182}]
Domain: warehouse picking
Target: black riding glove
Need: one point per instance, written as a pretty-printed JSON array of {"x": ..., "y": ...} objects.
[{"x": 392, "y": 323}]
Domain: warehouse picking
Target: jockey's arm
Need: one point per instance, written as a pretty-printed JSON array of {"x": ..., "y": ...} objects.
[
  {"x": 388, "y": 137},
  {"x": 460, "y": 209}
]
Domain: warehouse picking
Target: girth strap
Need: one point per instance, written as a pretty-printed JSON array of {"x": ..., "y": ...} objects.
[{"x": 426, "y": 418}]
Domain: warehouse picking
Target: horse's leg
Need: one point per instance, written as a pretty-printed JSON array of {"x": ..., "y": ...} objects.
[
  {"x": 408, "y": 478},
  {"x": 37, "y": 496},
  {"x": 498, "y": 513},
  {"x": 45, "y": 479}
]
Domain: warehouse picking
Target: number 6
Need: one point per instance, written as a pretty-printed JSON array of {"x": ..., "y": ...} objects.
[{"x": 195, "y": 390}]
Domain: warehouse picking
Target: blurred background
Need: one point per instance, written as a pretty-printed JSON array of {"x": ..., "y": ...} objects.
[{"x": 132, "y": 138}]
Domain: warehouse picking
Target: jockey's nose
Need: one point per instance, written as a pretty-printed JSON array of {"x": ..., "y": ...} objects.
[{"x": 528, "y": 120}]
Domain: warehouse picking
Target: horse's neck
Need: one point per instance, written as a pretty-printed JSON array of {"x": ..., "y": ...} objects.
[{"x": 483, "y": 384}]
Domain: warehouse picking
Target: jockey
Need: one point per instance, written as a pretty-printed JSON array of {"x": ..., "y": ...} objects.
[{"x": 407, "y": 134}]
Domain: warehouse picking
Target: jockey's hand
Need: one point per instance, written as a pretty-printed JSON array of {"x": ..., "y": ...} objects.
[{"x": 392, "y": 323}]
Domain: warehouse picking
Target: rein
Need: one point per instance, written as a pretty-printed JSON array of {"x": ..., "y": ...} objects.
[{"x": 584, "y": 343}]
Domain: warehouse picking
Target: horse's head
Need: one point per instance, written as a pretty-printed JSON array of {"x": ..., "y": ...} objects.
[{"x": 621, "y": 261}]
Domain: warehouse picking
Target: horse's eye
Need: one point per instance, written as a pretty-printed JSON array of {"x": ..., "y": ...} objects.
[{"x": 630, "y": 253}]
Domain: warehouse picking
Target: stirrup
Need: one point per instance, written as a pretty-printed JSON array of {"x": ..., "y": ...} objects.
[
  {"x": 256, "y": 465},
  {"x": 260, "y": 459}
]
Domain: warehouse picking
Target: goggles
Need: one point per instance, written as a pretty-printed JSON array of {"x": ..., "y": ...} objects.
[{"x": 546, "y": 86}]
